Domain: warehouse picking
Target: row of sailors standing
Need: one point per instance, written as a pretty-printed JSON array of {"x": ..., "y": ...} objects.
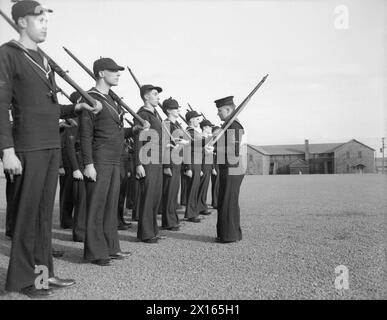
[{"x": 153, "y": 190}]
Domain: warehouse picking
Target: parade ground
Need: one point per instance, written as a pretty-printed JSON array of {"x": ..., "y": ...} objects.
[{"x": 296, "y": 231}]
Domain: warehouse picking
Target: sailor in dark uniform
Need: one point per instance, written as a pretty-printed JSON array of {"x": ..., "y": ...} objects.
[
  {"x": 207, "y": 166},
  {"x": 215, "y": 176},
  {"x": 72, "y": 151},
  {"x": 66, "y": 203},
  {"x": 193, "y": 165},
  {"x": 124, "y": 178},
  {"x": 30, "y": 149},
  {"x": 102, "y": 137},
  {"x": 149, "y": 170},
  {"x": 171, "y": 165},
  {"x": 231, "y": 174}
]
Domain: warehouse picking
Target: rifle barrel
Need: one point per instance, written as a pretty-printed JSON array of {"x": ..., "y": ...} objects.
[{"x": 236, "y": 112}]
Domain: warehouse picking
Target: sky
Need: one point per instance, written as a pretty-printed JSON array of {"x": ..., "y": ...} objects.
[{"x": 327, "y": 63}]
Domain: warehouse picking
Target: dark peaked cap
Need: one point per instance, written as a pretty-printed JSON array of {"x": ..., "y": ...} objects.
[
  {"x": 27, "y": 7},
  {"x": 148, "y": 87},
  {"x": 106, "y": 64},
  {"x": 191, "y": 114},
  {"x": 227, "y": 101}
]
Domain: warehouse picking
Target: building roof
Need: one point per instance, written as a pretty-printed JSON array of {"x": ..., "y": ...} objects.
[
  {"x": 290, "y": 149},
  {"x": 293, "y": 149}
]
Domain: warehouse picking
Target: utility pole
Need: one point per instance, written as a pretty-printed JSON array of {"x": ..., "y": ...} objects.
[{"x": 382, "y": 150}]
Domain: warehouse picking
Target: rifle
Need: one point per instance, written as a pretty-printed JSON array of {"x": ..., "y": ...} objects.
[
  {"x": 55, "y": 67},
  {"x": 178, "y": 124},
  {"x": 113, "y": 95},
  {"x": 235, "y": 114}
]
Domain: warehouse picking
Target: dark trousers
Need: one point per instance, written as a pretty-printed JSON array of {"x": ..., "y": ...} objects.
[
  {"x": 101, "y": 221},
  {"x": 33, "y": 204},
  {"x": 171, "y": 186},
  {"x": 130, "y": 191},
  {"x": 184, "y": 189},
  {"x": 191, "y": 210},
  {"x": 228, "y": 224},
  {"x": 10, "y": 212},
  {"x": 137, "y": 199},
  {"x": 122, "y": 195},
  {"x": 151, "y": 192},
  {"x": 66, "y": 199},
  {"x": 203, "y": 189},
  {"x": 214, "y": 189},
  {"x": 79, "y": 223}
]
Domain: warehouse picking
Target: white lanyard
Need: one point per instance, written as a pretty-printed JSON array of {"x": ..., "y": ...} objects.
[{"x": 46, "y": 72}]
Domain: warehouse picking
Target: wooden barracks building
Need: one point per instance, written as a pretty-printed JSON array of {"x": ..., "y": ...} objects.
[{"x": 322, "y": 158}]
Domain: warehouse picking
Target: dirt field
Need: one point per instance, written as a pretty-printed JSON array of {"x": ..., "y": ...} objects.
[{"x": 296, "y": 230}]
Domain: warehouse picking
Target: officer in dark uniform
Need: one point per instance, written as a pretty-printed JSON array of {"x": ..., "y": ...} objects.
[
  {"x": 193, "y": 165},
  {"x": 30, "y": 149},
  {"x": 171, "y": 165},
  {"x": 102, "y": 137},
  {"x": 231, "y": 174},
  {"x": 149, "y": 169},
  {"x": 207, "y": 166}
]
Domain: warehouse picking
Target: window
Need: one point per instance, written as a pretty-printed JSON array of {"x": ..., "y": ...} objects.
[
  {"x": 359, "y": 154},
  {"x": 251, "y": 157},
  {"x": 348, "y": 156}
]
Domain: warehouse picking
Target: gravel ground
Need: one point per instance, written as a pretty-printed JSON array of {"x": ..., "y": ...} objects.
[{"x": 296, "y": 230}]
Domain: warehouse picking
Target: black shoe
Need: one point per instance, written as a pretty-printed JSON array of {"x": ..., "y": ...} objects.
[
  {"x": 151, "y": 240},
  {"x": 173, "y": 229},
  {"x": 56, "y": 282},
  {"x": 120, "y": 255},
  {"x": 218, "y": 240},
  {"x": 195, "y": 220},
  {"x": 123, "y": 227},
  {"x": 34, "y": 293},
  {"x": 101, "y": 262},
  {"x": 205, "y": 213},
  {"x": 57, "y": 253}
]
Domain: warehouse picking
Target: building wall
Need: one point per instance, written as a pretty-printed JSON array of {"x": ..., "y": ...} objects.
[
  {"x": 281, "y": 163},
  {"x": 321, "y": 163},
  {"x": 257, "y": 163},
  {"x": 348, "y": 153}
]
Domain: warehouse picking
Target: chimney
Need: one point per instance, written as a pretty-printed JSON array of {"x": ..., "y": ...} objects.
[{"x": 307, "y": 154}]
